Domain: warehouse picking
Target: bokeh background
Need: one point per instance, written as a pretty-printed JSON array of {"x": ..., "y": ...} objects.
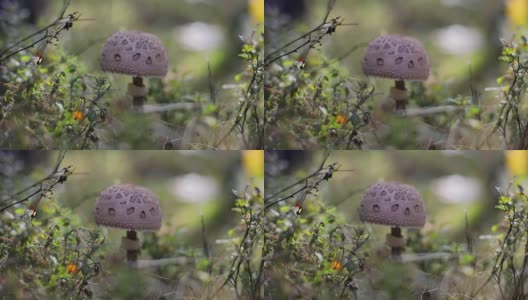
[
  {"x": 451, "y": 255},
  {"x": 206, "y": 82},
  {"x": 460, "y": 35},
  {"x": 195, "y": 33},
  {"x": 189, "y": 184},
  {"x": 464, "y": 39},
  {"x": 452, "y": 183},
  {"x": 198, "y": 193}
]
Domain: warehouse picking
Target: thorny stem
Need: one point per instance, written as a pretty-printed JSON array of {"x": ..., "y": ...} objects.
[
  {"x": 523, "y": 276},
  {"x": 50, "y": 36},
  {"x": 44, "y": 186},
  {"x": 338, "y": 240},
  {"x": 253, "y": 234},
  {"x": 250, "y": 103},
  {"x": 321, "y": 174},
  {"x": 509, "y": 114},
  {"x": 312, "y": 39},
  {"x": 505, "y": 259}
]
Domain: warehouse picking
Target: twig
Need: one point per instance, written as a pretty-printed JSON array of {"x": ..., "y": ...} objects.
[
  {"x": 151, "y": 108},
  {"x": 321, "y": 174},
  {"x": 49, "y": 36},
  {"x": 56, "y": 176},
  {"x": 250, "y": 100},
  {"x": 418, "y": 112},
  {"x": 206, "y": 245},
  {"x": 310, "y": 39}
]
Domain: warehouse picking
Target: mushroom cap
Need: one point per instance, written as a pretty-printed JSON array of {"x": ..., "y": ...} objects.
[
  {"x": 134, "y": 53},
  {"x": 396, "y": 57},
  {"x": 128, "y": 207},
  {"x": 394, "y": 204}
]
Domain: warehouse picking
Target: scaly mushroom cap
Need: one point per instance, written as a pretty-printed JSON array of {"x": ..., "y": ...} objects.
[
  {"x": 396, "y": 57},
  {"x": 394, "y": 204},
  {"x": 129, "y": 207},
  {"x": 134, "y": 53}
]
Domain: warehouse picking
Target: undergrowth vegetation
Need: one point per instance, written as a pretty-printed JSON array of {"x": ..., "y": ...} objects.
[
  {"x": 312, "y": 252},
  {"x": 315, "y": 101},
  {"x": 49, "y": 99},
  {"x": 47, "y": 252}
]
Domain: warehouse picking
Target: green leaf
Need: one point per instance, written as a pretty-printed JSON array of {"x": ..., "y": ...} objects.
[
  {"x": 504, "y": 200},
  {"x": 210, "y": 108}
]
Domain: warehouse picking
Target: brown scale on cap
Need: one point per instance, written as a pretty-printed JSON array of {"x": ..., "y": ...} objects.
[
  {"x": 128, "y": 207},
  {"x": 394, "y": 204},
  {"x": 134, "y": 53},
  {"x": 396, "y": 57}
]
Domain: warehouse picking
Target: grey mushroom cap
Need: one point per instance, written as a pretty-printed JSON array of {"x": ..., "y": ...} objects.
[
  {"x": 396, "y": 57},
  {"x": 134, "y": 53},
  {"x": 128, "y": 207},
  {"x": 394, "y": 204}
]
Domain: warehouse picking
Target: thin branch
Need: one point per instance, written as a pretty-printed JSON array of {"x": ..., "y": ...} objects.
[
  {"x": 56, "y": 177},
  {"x": 321, "y": 174}
]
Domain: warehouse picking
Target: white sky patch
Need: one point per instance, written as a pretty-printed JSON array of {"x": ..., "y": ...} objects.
[
  {"x": 458, "y": 39},
  {"x": 195, "y": 188},
  {"x": 457, "y": 189},
  {"x": 199, "y": 36}
]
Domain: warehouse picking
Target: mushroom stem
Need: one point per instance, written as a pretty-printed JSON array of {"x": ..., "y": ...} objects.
[
  {"x": 396, "y": 249},
  {"x": 400, "y": 95},
  {"x": 132, "y": 254},
  {"x": 399, "y": 84},
  {"x": 139, "y": 98}
]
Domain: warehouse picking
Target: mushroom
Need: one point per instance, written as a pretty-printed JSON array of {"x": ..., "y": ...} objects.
[
  {"x": 129, "y": 207},
  {"x": 394, "y": 204},
  {"x": 135, "y": 53},
  {"x": 399, "y": 58}
]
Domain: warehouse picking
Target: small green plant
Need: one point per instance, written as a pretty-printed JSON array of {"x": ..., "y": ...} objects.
[
  {"x": 44, "y": 250},
  {"x": 246, "y": 269},
  {"x": 50, "y": 99},
  {"x": 511, "y": 118},
  {"x": 311, "y": 100},
  {"x": 56, "y": 105},
  {"x": 248, "y": 114},
  {"x": 47, "y": 252},
  {"x": 509, "y": 268},
  {"x": 310, "y": 252}
]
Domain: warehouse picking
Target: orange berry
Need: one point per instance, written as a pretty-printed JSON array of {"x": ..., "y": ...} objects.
[
  {"x": 341, "y": 120},
  {"x": 71, "y": 268},
  {"x": 78, "y": 116}
]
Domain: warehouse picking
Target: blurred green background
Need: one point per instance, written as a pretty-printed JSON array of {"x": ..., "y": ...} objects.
[
  {"x": 451, "y": 256},
  {"x": 452, "y": 183},
  {"x": 195, "y": 33},
  {"x": 68, "y": 254},
  {"x": 206, "y": 81},
  {"x": 189, "y": 184},
  {"x": 459, "y": 35},
  {"x": 464, "y": 40}
]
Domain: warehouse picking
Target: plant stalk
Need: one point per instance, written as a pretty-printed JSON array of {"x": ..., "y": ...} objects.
[
  {"x": 132, "y": 255},
  {"x": 396, "y": 251},
  {"x": 400, "y": 95},
  {"x": 138, "y": 100}
]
